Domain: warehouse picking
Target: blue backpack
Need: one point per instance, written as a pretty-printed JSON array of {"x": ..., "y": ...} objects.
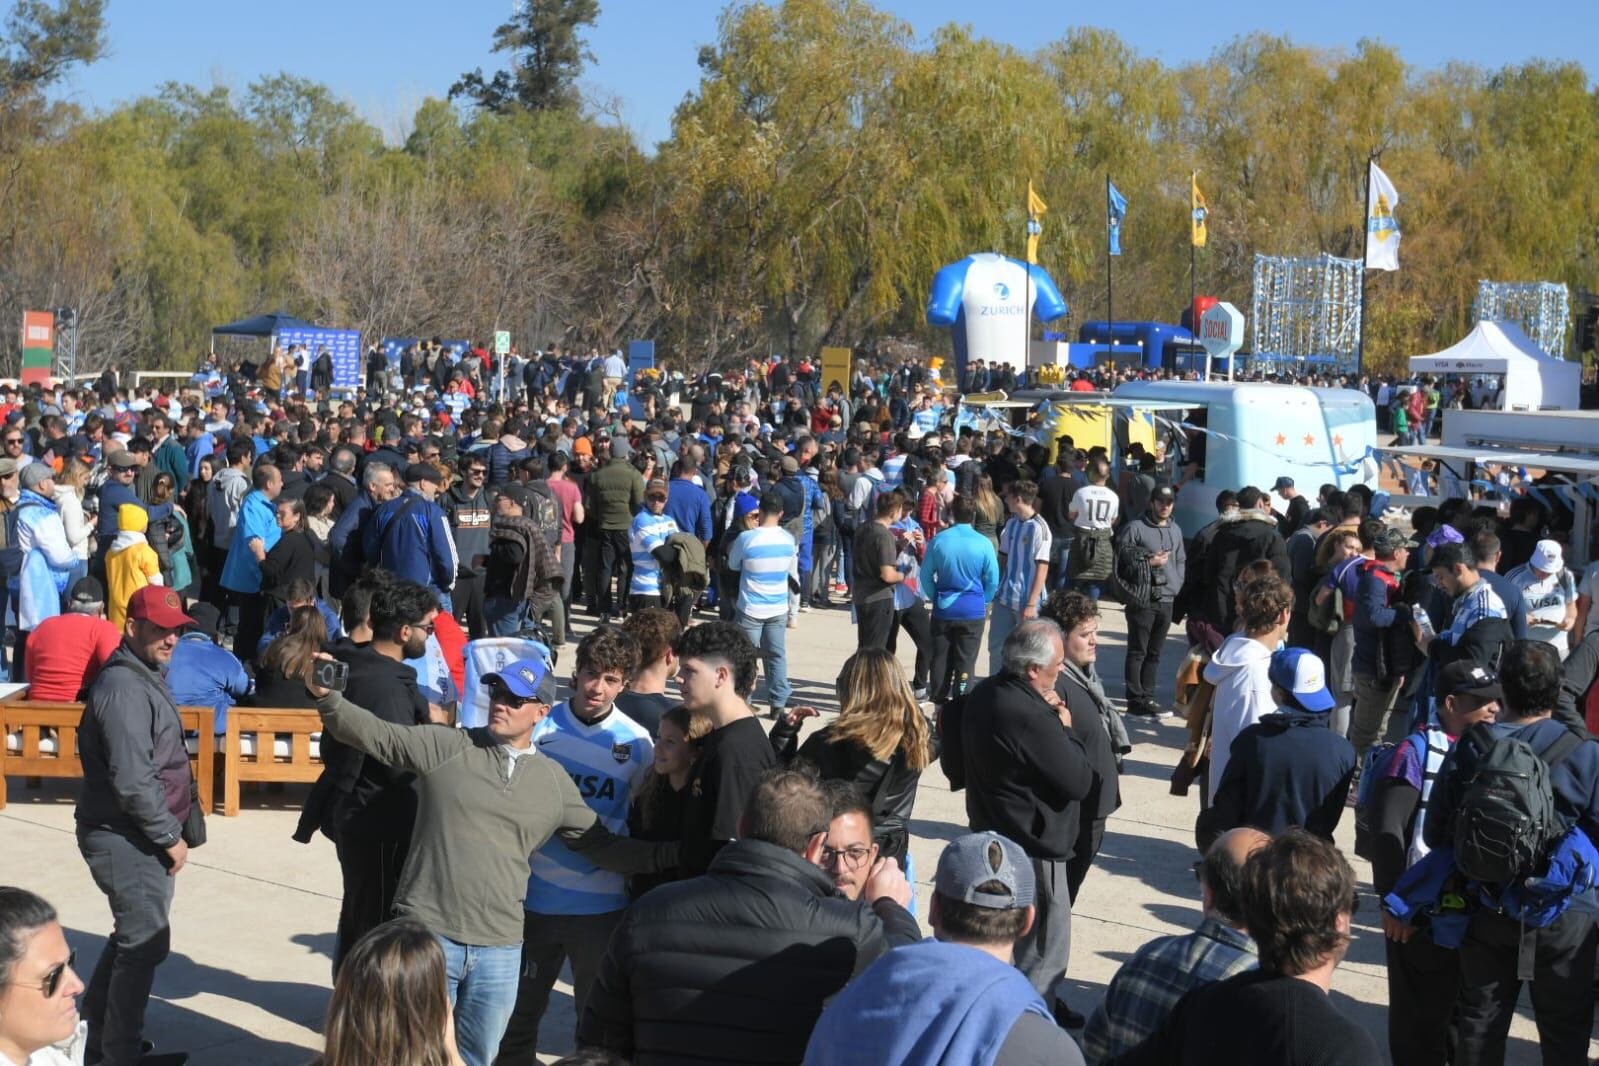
[{"x": 1377, "y": 767}]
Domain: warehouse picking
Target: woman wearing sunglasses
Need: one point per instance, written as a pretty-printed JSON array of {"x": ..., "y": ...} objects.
[{"x": 39, "y": 991}]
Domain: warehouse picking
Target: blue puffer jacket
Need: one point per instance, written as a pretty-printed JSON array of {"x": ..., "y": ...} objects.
[
  {"x": 47, "y": 561},
  {"x": 409, "y": 537}
]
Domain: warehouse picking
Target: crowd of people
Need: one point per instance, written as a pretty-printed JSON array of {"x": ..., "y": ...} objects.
[{"x": 731, "y": 890}]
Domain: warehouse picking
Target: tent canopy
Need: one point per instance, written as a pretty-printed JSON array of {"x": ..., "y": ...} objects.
[
  {"x": 263, "y": 325},
  {"x": 1533, "y": 379}
]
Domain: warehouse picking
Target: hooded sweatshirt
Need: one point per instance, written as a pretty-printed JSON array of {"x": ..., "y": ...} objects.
[
  {"x": 1243, "y": 697},
  {"x": 131, "y": 563}
]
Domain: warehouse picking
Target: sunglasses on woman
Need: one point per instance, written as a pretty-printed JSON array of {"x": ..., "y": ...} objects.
[{"x": 52, "y": 978}]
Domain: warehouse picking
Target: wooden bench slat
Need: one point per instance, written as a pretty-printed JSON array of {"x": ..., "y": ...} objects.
[
  {"x": 31, "y": 718},
  {"x": 299, "y": 767}
]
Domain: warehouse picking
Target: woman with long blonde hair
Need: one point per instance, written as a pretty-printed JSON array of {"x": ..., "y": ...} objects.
[
  {"x": 70, "y": 488},
  {"x": 990, "y": 510},
  {"x": 390, "y": 1002},
  {"x": 880, "y": 742}
]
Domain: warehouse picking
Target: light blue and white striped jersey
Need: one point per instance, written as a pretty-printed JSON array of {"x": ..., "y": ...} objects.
[
  {"x": 1022, "y": 546},
  {"x": 765, "y": 558},
  {"x": 648, "y": 532},
  {"x": 606, "y": 761},
  {"x": 894, "y": 471}
]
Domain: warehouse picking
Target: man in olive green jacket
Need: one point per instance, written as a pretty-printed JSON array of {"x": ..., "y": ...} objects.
[{"x": 615, "y": 493}]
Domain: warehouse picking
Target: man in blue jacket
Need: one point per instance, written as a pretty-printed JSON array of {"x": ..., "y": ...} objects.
[
  {"x": 379, "y": 485},
  {"x": 254, "y": 534},
  {"x": 686, "y": 503},
  {"x": 1564, "y": 950},
  {"x": 116, "y": 491},
  {"x": 960, "y": 577},
  {"x": 409, "y": 537}
]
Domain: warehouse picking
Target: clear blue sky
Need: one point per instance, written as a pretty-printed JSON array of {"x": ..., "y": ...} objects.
[{"x": 385, "y": 58}]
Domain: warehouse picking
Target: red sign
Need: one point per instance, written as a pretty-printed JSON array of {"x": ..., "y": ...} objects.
[{"x": 38, "y": 329}]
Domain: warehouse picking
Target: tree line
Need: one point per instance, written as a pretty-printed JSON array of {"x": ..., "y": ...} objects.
[{"x": 827, "y": 163}]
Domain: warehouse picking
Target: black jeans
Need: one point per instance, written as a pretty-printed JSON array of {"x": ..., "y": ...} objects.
[
  {"x": 1423, "y": 987},
  {"x": 954, "y": 655},
  {"x": 914, "y": 621},
  {"x": 132, "y": 872},
  {"x": 1090, "y": 833},
  {"x": 252, "y": 623},
  {"x": 467, "y": 599},
  {"x": 370, "y": 864},
  {"x": 875, "y": 623},
  {"x": 549, "y": 941},
  {"x": 1562, "y": 988},
  {"x": 1146, "y": 634},
  {"x": 615, "y": 559}
]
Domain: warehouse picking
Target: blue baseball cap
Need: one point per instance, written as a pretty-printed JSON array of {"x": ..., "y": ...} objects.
[
  {"x": 1302, "y": 675},
  {"x": 528, "y": 679}
]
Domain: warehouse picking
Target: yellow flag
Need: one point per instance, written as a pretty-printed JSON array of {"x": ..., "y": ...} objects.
[
  {"x": 1200, "y": 211},
  {"x": 1036, "y": 207}
]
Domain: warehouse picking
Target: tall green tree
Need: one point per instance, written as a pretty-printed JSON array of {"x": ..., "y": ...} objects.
[{"x": 547, "y": 54}]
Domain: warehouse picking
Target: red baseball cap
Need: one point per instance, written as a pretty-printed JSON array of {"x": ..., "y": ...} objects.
[{"x": 158, "y": 605}]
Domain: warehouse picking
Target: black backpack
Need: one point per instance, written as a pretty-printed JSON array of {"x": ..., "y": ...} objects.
[
  {"x": 545, "y": 510},
  {"x": 1505, "y": 821}
]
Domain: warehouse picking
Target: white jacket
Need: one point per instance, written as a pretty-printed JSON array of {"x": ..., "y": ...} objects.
[
  {"x": 79, "y": 529},
  {"x": 1243, "y": 697}
]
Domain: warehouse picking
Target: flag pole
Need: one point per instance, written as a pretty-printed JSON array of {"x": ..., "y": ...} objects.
[
  {"x": 1193, "y": 260},
  {"x": 1110, "y": 302},
  {"x": 1027, "y": 285},
  {"x": 1365, "y": 248}
]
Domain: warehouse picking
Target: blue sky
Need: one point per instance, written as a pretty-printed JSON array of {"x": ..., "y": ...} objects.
[{"x": 385, "y": 58}]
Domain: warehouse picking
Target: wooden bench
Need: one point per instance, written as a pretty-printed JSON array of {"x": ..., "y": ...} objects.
[
  {"x": 279, "y": 749},
  {"x": 48, "y": 743}
]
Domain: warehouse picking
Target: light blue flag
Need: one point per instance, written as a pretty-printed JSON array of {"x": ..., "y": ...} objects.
[{"x": 1117, "y": 209}]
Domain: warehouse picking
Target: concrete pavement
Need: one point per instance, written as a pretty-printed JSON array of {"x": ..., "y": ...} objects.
[{"x": 253, "y": 921}]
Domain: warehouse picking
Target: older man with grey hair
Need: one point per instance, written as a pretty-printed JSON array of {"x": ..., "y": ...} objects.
[
  {"x": 1009, "y": 743},
  {"x": 379, "y": 485}
]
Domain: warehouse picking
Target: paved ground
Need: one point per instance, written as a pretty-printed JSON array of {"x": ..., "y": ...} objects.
[{"x": 252, "y": 926}]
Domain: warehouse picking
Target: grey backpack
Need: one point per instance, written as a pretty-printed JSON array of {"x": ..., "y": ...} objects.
[{"x": 1506, "y": 819}]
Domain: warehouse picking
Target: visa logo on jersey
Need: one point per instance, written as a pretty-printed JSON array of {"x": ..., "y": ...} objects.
[{"x": 593, "y": 786}]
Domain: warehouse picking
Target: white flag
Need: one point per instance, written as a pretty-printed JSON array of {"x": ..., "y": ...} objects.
[{"x": 1382, "y": 229}]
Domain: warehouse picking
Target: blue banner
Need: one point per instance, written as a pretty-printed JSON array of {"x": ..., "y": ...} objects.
[
  {"x": 394, "y": 347},
  {"x": 640, "y": 356},
  {"x": 344, "y": 345}
]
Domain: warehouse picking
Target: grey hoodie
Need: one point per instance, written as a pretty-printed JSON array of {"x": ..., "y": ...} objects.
[
  {"x": 1167, "y": 538},
  {"x": 227, "y": 492}
]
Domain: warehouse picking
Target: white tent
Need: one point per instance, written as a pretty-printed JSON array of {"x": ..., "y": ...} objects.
[{"x": 1533, "y": 379}]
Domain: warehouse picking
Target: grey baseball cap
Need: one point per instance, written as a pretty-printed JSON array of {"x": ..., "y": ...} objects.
[{"x": 969, "y": 862}]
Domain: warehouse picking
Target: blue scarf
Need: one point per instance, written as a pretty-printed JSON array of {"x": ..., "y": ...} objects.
[{"x": 927, "y": 1003}]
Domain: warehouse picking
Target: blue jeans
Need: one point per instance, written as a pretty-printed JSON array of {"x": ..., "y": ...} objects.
[
  {"x": 504, "y": 616},
  {"x": 769, "y": 635},
  {"x": 482, "y": 986},
  {"x": 1004, "y": 620}
]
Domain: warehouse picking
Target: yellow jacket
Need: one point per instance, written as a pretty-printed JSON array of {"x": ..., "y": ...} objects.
[{"x": 131, "y": 563}]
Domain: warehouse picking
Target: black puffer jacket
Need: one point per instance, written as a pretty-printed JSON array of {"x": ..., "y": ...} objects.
[
  {"x": 734, "y": 966},
  {"x": 1240, "y": 540}
]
